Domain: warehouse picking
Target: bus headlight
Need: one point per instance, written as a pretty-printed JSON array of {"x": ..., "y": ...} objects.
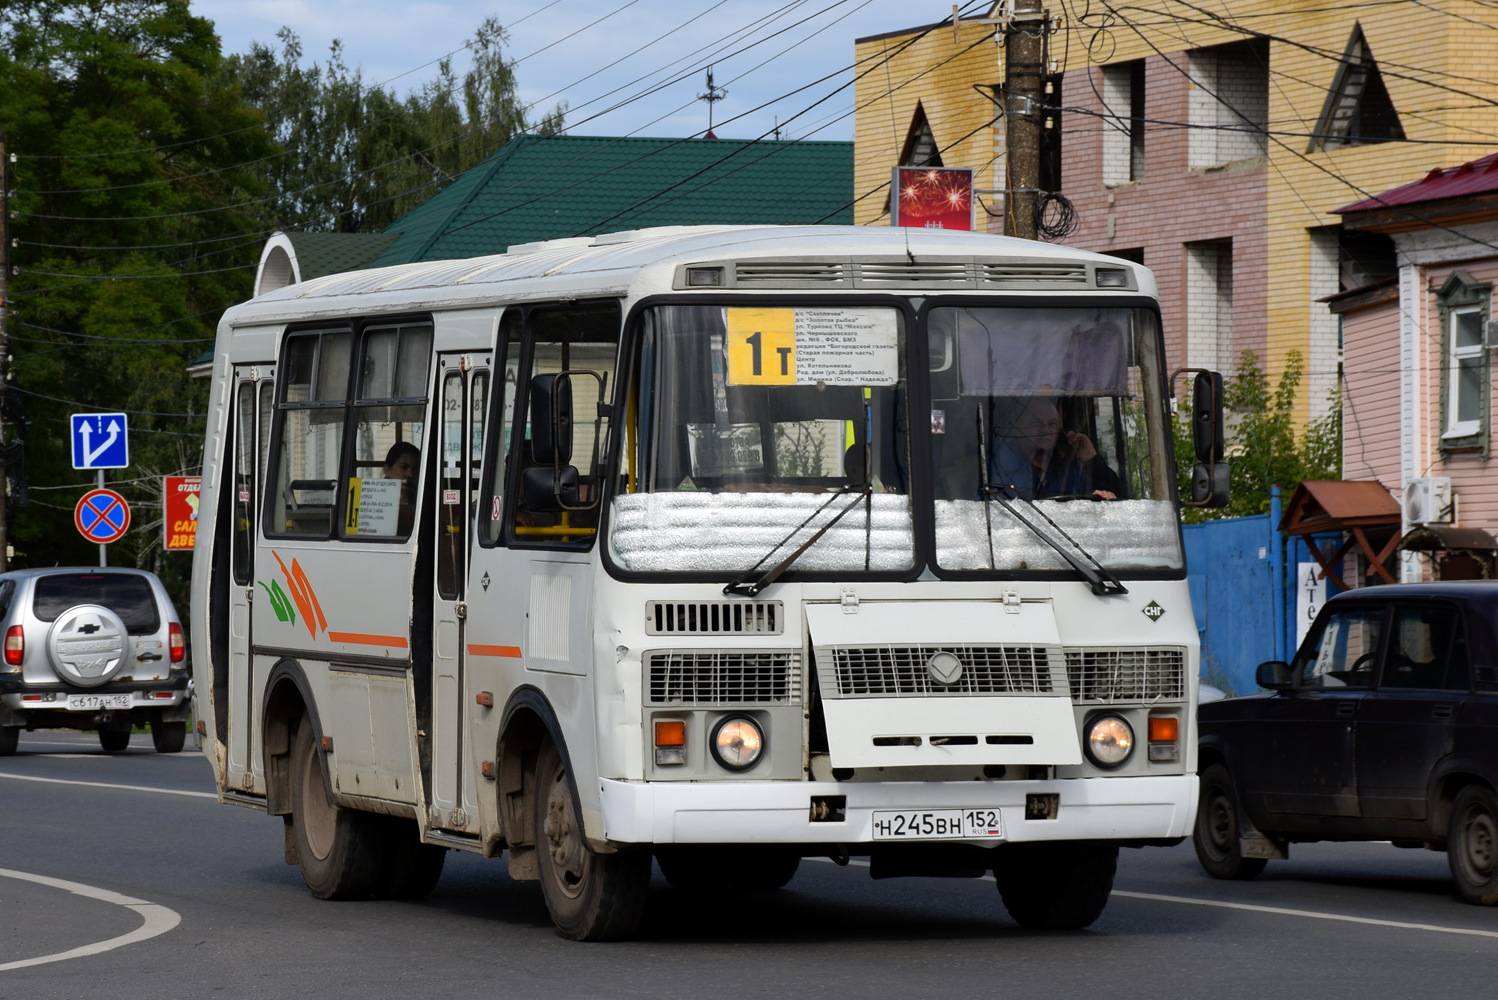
[
  {"x": 737, "y": 742},
  {"x": 1110, "y": 740}
]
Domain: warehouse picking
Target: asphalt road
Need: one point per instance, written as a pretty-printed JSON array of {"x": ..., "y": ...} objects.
[{"x": 143, "y": 857}]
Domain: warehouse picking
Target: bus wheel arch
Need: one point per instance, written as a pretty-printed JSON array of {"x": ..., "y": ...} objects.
[
  {"x": 528, "y": 724},
  {"x": 288, "y": 698}
]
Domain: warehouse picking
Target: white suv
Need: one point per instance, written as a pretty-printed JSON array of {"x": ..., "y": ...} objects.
[{"x": 91, "y": 649}]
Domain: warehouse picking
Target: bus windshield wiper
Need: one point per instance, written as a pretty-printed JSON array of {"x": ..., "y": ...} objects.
[
  {"x": 1097, "y": 575},
  {"x": 740, "y": 584}
]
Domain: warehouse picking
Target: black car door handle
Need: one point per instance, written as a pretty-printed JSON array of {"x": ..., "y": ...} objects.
[
  {"x": 1345, "y": 709},
  {"x": 1441, "y": 712}
]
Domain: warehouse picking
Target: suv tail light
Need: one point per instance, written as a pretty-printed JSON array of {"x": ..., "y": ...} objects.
[
  {"x": 15, "y": 646},
  {"x": 179, "y": 649}
]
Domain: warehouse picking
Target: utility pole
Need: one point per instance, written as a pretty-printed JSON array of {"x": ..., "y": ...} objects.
[
  {"x": 4, "y": 336},
  {"x": 1024, "y": 95}
]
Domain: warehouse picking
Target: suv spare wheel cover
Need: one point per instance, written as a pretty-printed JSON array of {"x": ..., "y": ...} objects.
[{"x": 87, "y": 645}]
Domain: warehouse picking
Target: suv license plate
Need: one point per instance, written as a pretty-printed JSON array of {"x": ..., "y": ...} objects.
[
  {"x": 938, "y": 824},
  {"x": 94, "y": 702}
]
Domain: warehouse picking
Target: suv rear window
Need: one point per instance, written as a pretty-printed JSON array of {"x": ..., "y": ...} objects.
[{"x": 126, "y": 595}]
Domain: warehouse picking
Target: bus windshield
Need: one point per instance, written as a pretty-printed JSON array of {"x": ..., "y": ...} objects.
[
  {"x": 746, "y": 424},
  {"x": 1059, "y": 406}
]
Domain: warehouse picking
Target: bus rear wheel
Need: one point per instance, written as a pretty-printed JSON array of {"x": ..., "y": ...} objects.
[
  {"x": 339, "y": 849},
  {"x": 1062, "y": 885},
  {"x": 590, "y": 896}
]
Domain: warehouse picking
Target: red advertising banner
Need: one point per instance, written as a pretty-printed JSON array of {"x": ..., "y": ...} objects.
[
  {"x": 180, "y": 523},
  {"x": 932, "y": 197}
]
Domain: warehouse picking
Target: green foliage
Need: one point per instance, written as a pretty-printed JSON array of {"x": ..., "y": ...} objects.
[
  {"x": 138, "y": 223},
  {"x": 359, "y": 157},
  {"x": 1263, "y": 447}
]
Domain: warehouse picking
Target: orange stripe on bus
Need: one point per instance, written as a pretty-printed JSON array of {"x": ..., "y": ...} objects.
[
  {"x": 360, "y": 639},
  {"x": 513, "y": 652}
]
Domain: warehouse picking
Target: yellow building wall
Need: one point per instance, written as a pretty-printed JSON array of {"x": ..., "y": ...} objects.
[{"x": 1438, "y": 62}]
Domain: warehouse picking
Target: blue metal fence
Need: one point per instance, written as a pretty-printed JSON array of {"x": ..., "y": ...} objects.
[{"x": 1241, "y": 571}]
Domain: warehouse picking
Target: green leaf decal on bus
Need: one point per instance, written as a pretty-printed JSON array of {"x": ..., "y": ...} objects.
[{"x": 280, "y": 603}]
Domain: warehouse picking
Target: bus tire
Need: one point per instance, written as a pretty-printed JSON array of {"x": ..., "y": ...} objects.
[
  {"x": 411, "y": 868},
  {"x": 10, "y": 738},
  {"x": 1060, "y": 885},
  {"x": 114, "y": 737},
  {"x": 1472, "y": 845},
  {"x": 591, "y": 897},
  {"x": 710, "y": 869},
  {"x": 1219, "y": 848},
  {"x": 168, "y": 737},
  {"x": 338, "y": 849}
]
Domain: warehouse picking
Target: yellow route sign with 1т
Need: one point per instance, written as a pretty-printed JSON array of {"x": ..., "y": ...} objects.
[{"x": 761, "y": 346}]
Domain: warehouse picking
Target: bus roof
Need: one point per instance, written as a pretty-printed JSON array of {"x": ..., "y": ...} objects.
[{"x": 645, "y": 261}]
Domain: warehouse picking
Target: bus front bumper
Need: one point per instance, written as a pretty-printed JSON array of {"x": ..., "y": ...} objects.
[{"x": 780, "y": 812}]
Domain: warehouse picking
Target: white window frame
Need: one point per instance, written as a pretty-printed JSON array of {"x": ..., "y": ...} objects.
[{"x": 1455, "y": 356}]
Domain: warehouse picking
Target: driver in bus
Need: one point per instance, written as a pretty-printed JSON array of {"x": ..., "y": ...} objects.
[
  {"x": 401, "y": 462},
  {"x": 1039, "y": 458}
]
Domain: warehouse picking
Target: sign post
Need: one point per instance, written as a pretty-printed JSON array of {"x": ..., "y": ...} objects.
[{"x": 100, "y": 441}]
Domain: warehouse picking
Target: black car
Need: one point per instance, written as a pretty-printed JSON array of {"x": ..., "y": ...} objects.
[{"x": 1385, "y": 727}]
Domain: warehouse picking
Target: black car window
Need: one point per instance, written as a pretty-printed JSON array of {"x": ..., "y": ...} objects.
[
  {"x": 1344, "y": 654},
  {"x": 1427, "y": 649},
  {"x": 126, "y": 595}
]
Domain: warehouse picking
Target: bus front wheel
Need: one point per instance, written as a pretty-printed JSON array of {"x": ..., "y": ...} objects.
[
  {"x": 591, "y": 897},
  {"x": 338, "y": 848},
  {"x": 1060, "y": 885}
]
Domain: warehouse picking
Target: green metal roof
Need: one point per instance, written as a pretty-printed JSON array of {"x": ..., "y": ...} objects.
[
  {"x": 546, "y": 187},
  {"x": 321, "y": 254}
]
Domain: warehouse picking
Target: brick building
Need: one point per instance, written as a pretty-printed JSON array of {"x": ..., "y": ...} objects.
[{"x": 1208, "y": 141}]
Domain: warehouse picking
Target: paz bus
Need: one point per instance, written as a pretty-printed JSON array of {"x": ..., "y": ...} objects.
[{"x": 719, "y": 547}]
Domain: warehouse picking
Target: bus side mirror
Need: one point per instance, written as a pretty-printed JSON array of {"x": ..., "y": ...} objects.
[
  {"x": 1273, "y": 675},
  {"x": 551, "y": 419},
  {"x": 1210, "y": 474}
]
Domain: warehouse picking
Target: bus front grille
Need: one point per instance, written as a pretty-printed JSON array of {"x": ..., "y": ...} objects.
[
  {"x": 1111, "y": 676},
  {"x": 722, "y": 677},
  {"x": 714, "y": 618},
  {"x": 904, "y": 671}
]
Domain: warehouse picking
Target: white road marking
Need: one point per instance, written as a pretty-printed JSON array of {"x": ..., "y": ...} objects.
[
  {"x": 157, "y": 919},
  {"x": 111, "y": 785},
  {"x": 1259, "y": 908}
]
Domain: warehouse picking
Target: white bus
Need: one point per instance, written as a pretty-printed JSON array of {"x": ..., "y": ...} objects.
[{"x": 722, "y": 546}]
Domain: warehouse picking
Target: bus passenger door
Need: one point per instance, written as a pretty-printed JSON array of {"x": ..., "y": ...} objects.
[
  {"x": 462, "y": 396},
  {"x": 253, "y": 398}
]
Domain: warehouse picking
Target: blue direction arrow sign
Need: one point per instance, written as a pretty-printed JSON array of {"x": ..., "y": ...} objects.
[
  {"x": 100, "y": 441},
  {"x": 102, "y": 516}
]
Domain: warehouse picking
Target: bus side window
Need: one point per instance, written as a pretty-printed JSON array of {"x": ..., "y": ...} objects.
[
  {"x": 580, "y": 339},
  {"x": 389, "y": 418},
  {"x": 314, "y": 383},
  {"x": 491, "y": 496}
]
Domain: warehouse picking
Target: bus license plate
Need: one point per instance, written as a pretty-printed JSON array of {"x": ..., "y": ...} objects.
[
  {"x": 94, "y": 702},
  {"x": 938, "y": 824}
]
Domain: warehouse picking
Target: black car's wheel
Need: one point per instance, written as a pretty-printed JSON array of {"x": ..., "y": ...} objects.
[
  {"x": 340, "y": 849},
  {"x": 749, "y": 869},
  {"x": 168, "y": 737},
  {"x": 411, "y": 869},
  {"x": 1061, "y": 885},
  {"x": 10, "y": 738},
  {"x": 114, "y": 737},
  {"x": 1218, "y": 847},
  {"x": 1472, "y": 845},
  {"x": 591, "y": 897}
]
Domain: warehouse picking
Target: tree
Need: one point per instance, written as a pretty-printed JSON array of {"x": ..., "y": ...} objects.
[
  {"x": 1263, "y": 448},
  {"x": 356, "y": 156},
  {"x": 138, "y": 221}
]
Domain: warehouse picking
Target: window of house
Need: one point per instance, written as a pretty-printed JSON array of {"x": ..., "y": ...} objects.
[
  {"x": 1209, "y": 304},
  {"x": 1464, "y": 309},
  {"x": 1228, "y": 104},
  {"x": 1357, "y": 109},
  {"x": 1123, "y": 129}
]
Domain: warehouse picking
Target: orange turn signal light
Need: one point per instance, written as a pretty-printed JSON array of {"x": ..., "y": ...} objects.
[
  {"x": 670, "y": 734},
  {"x": 485, "y": 698},
  {"x": 1164, "y": 730}
]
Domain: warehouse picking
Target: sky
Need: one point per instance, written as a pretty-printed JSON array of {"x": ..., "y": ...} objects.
[{"x": 564, "y": 49}]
